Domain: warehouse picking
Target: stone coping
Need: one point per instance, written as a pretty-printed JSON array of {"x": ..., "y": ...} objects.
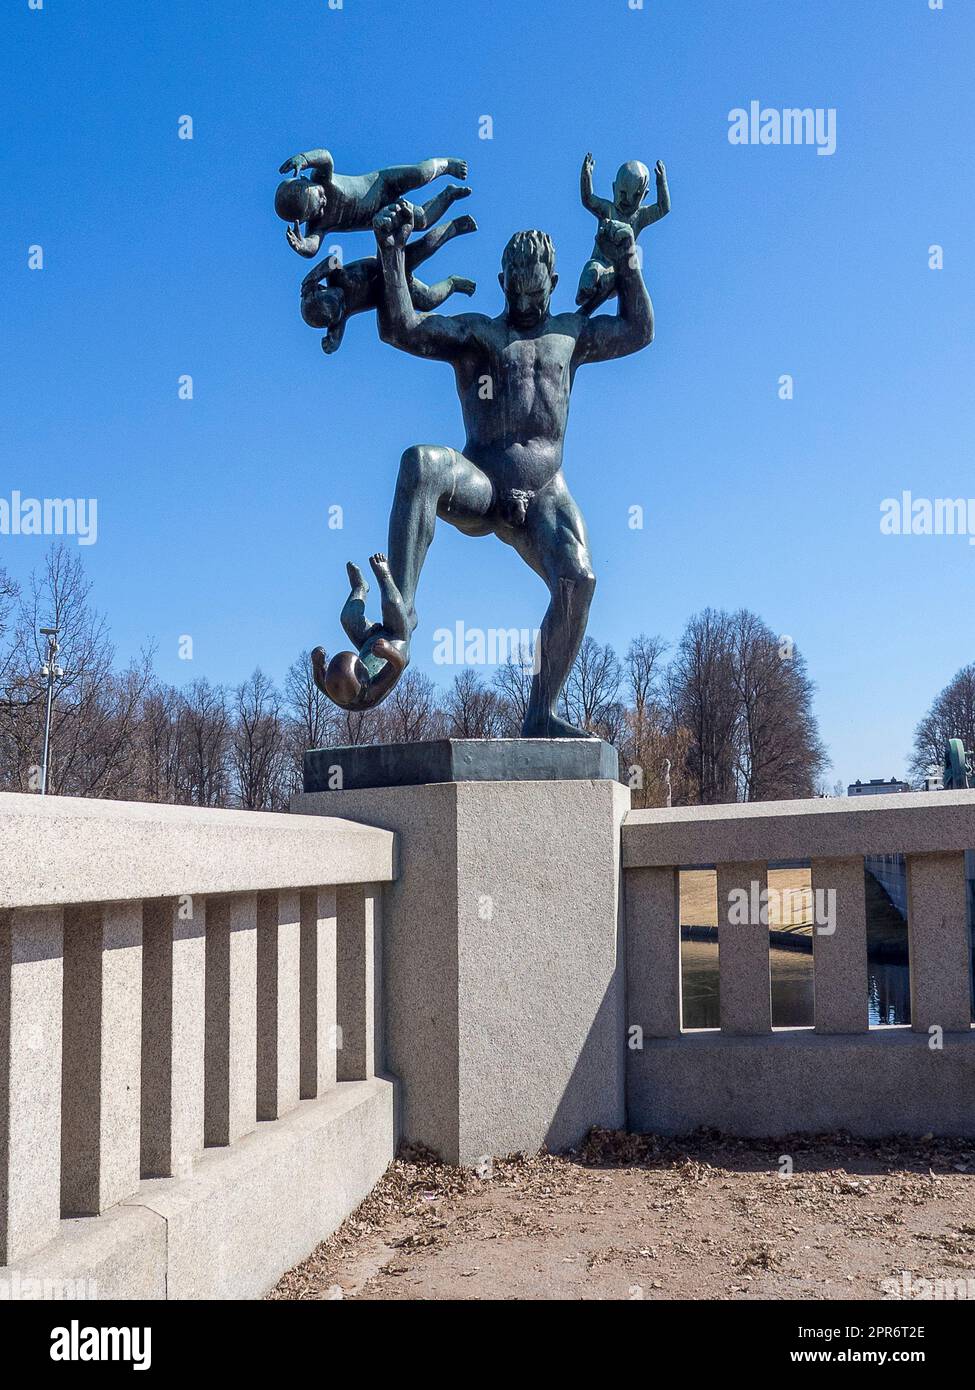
[
  {"x": 59, "y": 850},
  {"x": 821, "y": 827}
]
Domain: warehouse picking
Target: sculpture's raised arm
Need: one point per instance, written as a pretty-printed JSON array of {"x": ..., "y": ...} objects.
[
  {"x": 632, "y": 327},
  {"x": 424, "y": 335},
  {"x": 319, "y": 160},
  {"x": 599, "y": 207},
  {"x": 648, "y": 215}
]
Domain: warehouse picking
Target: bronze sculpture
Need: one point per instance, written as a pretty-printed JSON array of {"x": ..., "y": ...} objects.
[
  {"x": 597, "y": 282},
  {"x": 354, "y": 288},
  {"x": 514, "y": 374},
  {"x": 331, "y": 202},
  {"x": 360, "y": 679}
]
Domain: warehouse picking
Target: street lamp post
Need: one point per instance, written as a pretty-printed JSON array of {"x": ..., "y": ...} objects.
[{"x": 52, "y": 672}]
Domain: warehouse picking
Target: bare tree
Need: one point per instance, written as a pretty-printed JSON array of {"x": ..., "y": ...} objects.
[
  {"x": 257, "y": 745},
  {"x": 732, "y": 713},
  {"x": 643, "y": 670},
  {"x": 952, "y": 715},
  {"x": 513, "y": 684},
  {"x": 357, "y": 726},
  {"x": 102, "y": 758},
  {"x": 309, "y": 709},
  {"x": 411, "y": 712},
  {"x": 644, "y": 738},
  {"x": 205, "y": 744},
  {"x": 93, "y": 708},
  {"x": 160, "y": 738},
  {"x": 778, "y": 751},
  {"x": 592, "y": 691},
  {"x": 472, "y": 709},
  {"x": 745, "y": 699},
  {"x": 703, "y": 700},
  {"x": 311, "y": 720},
  {"x": 9, "y": 592},
  {"x": 9, "y": 701}
]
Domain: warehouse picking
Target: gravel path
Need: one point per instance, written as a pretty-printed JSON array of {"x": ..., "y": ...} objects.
[{"x": 631, "y": 1217}]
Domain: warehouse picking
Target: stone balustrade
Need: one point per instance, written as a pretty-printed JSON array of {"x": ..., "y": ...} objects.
[
  {"x": 749, "y": 1078},
  {"x": 170, "y": 978},
  {"x": 197, "y": 1007}
]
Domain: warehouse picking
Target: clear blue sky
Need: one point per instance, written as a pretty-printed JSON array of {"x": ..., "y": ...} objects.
[{"x": 164, "y": 256}]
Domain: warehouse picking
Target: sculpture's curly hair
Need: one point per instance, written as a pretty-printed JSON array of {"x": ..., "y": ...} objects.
[{"x": 528, "y": 249}]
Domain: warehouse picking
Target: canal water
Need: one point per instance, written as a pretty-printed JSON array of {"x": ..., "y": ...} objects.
[{"x": 888, "y": 987}]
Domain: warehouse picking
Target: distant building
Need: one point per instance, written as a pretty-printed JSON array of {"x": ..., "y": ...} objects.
[{"x": 876, "y": 787}]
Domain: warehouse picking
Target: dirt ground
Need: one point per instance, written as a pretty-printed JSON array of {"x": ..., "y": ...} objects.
[{"x": 630, "y": 1217}]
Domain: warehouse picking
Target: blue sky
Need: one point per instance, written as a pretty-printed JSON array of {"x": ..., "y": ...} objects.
[{"x": 163, "y": 257}]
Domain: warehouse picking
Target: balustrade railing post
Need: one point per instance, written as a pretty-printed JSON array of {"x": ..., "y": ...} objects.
[
  {"x": 230, "y": 1092},
  {"x": 31, "y": 973},
  {"x": 101, "y": 1068},
  {"x": 357, "y": 910},
  {"x": 653, "y": 981},
  {"x": 745, "y": 982},
  {"x": 840, "y": 951},
  {"x": 319, "y": 1024},
  {"x": 278, "y": 1003},
  {"x": 938, "y": 938},
  {"x": 173, "y": 1014}
]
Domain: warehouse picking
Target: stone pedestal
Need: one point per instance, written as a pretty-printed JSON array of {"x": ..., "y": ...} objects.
[
  {"x": 502, "y": 966},
  {"x": 357, "y": 766}
]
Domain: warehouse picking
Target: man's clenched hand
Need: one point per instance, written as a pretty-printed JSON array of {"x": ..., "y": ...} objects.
[{"x": 394, "y": 225}]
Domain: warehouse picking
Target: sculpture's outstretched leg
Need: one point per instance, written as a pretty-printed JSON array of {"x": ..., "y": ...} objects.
[
  {"x": 420, "y": 249},
  {"x": 319, "y": 669},
  {"x": 432, "y": 481},
  {"x": 399, "y": 179},
  {"x": 596, "y": 284},
  {"x": 357, "y": 628},
  {"x": 554, "y": 543},
  {"x": 428, "y": 297},
  {"x": 395, "y": 623},
  {"x": 427, "y": 213},
  {"x": 355, "y": 624}
]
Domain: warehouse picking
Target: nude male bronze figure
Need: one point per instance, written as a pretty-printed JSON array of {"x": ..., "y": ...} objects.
[{"x": 514, "y": 375}]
